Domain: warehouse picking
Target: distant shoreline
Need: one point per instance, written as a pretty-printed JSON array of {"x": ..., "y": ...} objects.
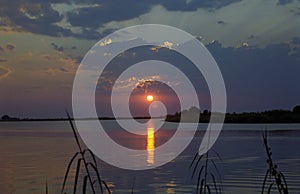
[
  {"x": 67, "y": 119},
  {"x": 270, "y": 116}
]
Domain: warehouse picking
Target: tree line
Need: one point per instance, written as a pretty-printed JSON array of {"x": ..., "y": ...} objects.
[{"x": 269, "y": 116}]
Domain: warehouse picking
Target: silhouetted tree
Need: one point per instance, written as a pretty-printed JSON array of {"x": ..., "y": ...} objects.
[
  {"x": 296, "y": 109},
  {"x": 5, "y": 117}
]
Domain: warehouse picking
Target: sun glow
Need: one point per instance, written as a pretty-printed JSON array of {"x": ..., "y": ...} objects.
[{"x": 150, "y": 98}]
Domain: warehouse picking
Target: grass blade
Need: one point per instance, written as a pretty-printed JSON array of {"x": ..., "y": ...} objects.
[
  {"x": 84, "y": 188},
  {"x": 81, "y": 152},
  {"x": 214, "y": 182},
  {"x": 46, "y": 187},
  {"x": 285, "y": 189},
  {"x": 201, "y": 187},
  {"x": 272, "y": 172},
  {"x": 199, "y": 178},
  {"x": 77, "y": 175},
  {"x": 208, "y": 188},
  {"x": 193, "y": 160},
  {"x": 270, "y": 188},
  {"x": 215, "y": 166},
  {"x": 74, "y": 131},
  {"x": 92, "y": 154},
  {"x": 195, "y": 168},
  {"x": 95, "y": 168},
  {"x": 265, "y": 179},
  {"x": 106, "y": 186},
  {"x": 68, "y": 169},
  {"x": 97, "y": 173},
  {"x": 132, "y": 186},
  {"x": 217, "y": 154}
]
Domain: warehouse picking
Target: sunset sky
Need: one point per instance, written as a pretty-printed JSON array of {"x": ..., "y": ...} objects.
[{"x": 256, "y": 44}]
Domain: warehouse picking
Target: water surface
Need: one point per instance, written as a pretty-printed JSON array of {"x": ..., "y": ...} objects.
[{"x": 33, "y": 153}]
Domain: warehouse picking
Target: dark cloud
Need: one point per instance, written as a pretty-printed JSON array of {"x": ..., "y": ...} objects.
[
  {"x": 119, "y": 10},
  {"x": 10, "y": 47},
  {"x": 77, "y": 59},
  {"x": 63, "y": 70},
  {"x": 57, "y": 48},
  {"x": 89, "y": 34},
  {"x": 296, "y": 40},
  {"x": 251, "y": 36},
  {"x": 35, "y": 16},
  {"x": 221, "y": 22},
  {"x": 295, "y": 11},
  {"x": 259, "y": 78},
  {"x": 179, "y": 5},
  {"x": 38, "y": 16},
  {"x": 284, "y": 2}
]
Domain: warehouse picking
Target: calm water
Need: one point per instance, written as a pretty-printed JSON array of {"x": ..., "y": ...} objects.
[{"x": 33, "y": 153}]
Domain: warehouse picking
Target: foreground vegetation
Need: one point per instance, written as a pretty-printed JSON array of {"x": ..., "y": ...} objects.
[
  {"x": 273, "y": 177},
  {"x": 90, "y": 174}
]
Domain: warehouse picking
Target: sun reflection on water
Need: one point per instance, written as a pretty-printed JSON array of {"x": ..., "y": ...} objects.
[
  {"x": 171, "y": 185},
  {"x": 150, "y": 142},
  {"x": 150, "y": 145}
]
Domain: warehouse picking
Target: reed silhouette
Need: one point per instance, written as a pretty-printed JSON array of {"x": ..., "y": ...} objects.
[
  {"x": 90, "y": 168},
  {"x": 206, "y": 180},
  {"x": 273, "y": 176}
]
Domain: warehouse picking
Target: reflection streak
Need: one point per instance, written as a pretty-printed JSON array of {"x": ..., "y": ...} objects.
[{"x": 150, "y": 145}]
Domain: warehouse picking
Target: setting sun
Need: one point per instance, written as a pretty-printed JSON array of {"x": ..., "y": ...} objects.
[{"x": 150, "y": 98}]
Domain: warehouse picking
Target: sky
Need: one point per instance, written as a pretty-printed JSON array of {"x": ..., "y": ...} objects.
[{"x": 256, "y": 44}]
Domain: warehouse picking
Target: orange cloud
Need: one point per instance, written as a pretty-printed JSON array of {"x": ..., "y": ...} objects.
[
  {"x": 4, "y": 72},
  {"x": 63, "y": 65},
  {"x": 54, "y": 71}
]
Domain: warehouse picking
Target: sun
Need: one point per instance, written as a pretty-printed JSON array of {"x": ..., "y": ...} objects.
[{"x": 150, "y": 98}]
